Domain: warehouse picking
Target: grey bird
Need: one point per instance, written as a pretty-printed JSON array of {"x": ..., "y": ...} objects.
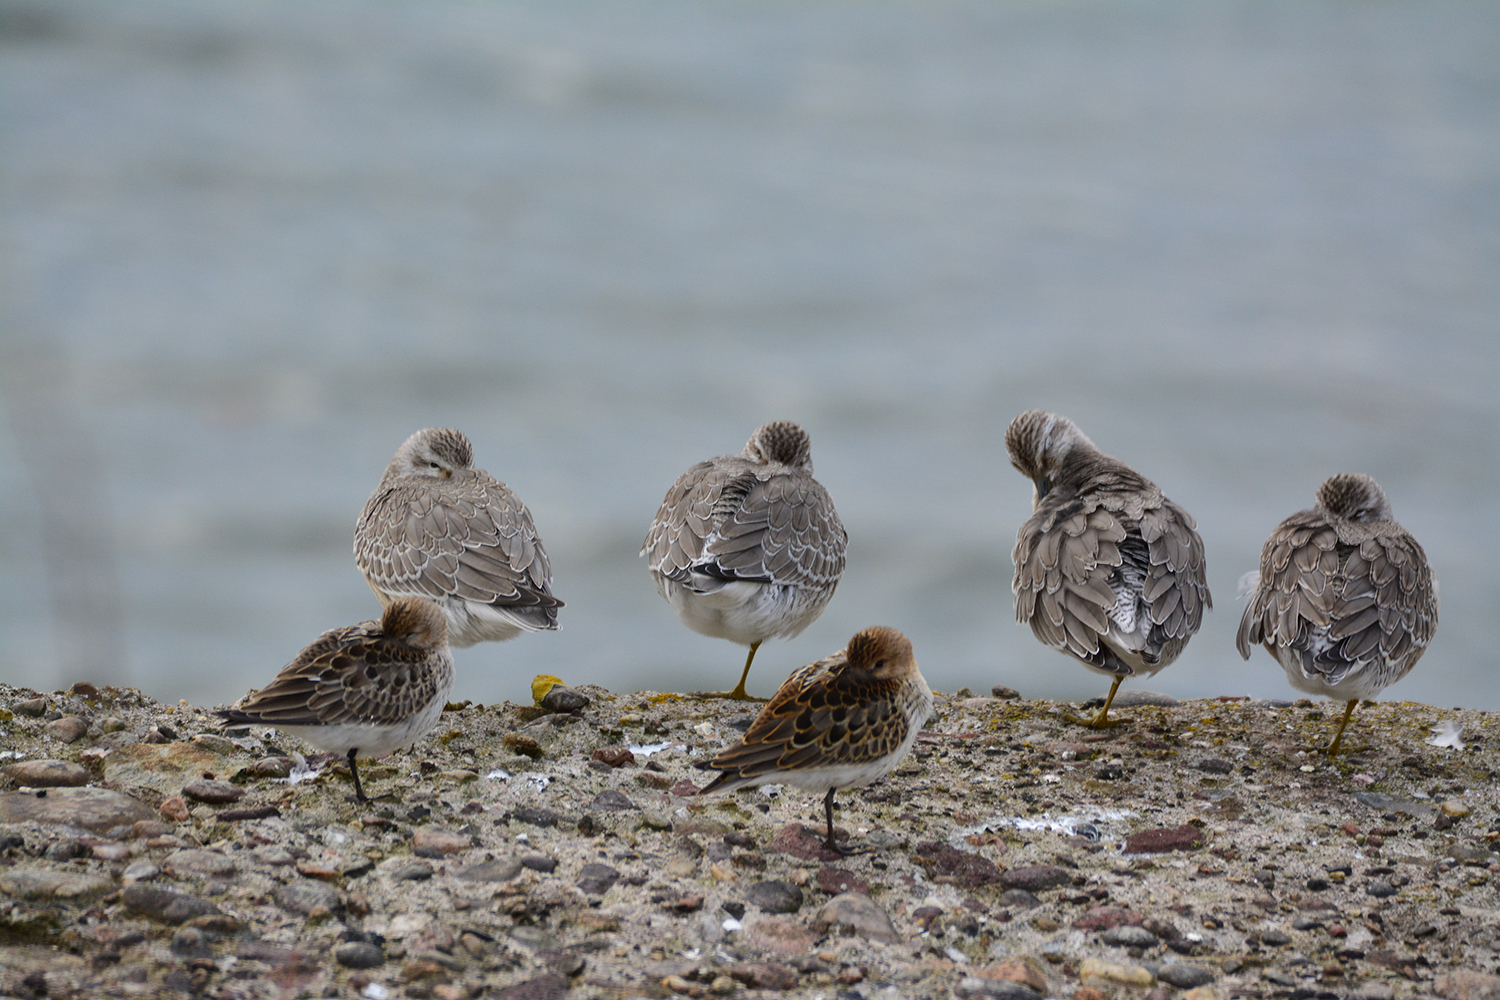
[
  {"x": 1345, "y": 599},
  {"x": 749, "y": 546},
  {"x": 436, "y": 527},
  {"x": 1108, "y": 570}
]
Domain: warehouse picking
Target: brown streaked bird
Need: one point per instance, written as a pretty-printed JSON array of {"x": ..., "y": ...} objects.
[
  {"x": 436, "y": 527},
  {"x": 1344, "y": 600},
  {"x": 841, "y": 722},
  {"x": 1108, "y": 570},
  {"x": 747, "y": 547},
  {"x": 364, "y": 690}
]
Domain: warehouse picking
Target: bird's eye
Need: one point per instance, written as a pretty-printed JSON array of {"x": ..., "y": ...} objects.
[{"x": 879, "y": 664}]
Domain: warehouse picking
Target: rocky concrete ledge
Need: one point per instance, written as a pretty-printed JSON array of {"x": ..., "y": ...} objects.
[{"x": 1203, "y": 849}]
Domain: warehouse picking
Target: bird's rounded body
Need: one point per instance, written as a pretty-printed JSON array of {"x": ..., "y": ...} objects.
[
  {"x": 1344, "y": 599},
  {"x": 438, "y": 528},
  {"x": 364, "y": 690},
  {"x": 841, "y": 722},
  {"x": 749, "y": 547},
  {"x": 1107, "y": 568}
]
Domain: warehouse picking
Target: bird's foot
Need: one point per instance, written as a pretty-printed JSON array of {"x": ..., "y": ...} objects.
[
  {"x": 738, "y": 694},
  {"x": 1094, "y": 722}
]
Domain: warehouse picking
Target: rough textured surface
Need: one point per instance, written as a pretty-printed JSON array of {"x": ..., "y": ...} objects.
[{"x": 993, "y": 861}]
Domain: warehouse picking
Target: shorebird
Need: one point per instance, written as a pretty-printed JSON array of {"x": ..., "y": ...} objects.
[
  {"x": 436, "y": 527},
  {"x": 1344, "y": 600},
  {"x": 747, "y": 547},
  {"x": 363, "y": 690},
  {"x": 1108, "y": 569},
  {"x": 841, "y": 722}
]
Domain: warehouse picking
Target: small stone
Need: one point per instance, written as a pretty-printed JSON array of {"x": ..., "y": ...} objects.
[
  {"x": 174, "y": 809},
  {"x": 775, "y": 896},
  {"x": 140, "y": 870},
  {"x": 596, "y": 879},
  {"x": 840, "y": 880},
  {"x": 800, "y": 842},
  {"x": 1019, "y": 899},
  {"x": 976, "y": 988},
  {"x": 1467, "y": 986},
  {"x": 1380, "y": 890},
  {"x": 1035, "y": 878},
  {"x": 148, "y": 828},
  {"x": 215, "y": 793},
  {"x": 406, "y": 870},
  {"x": 47, "y": 884},
  {"x": 564, "y": 699},
  {"x": 774, "y": 934},
  {"x": 359, "y": 955},
  {"x": 217, "y": 744},
  {"x": 97, "y": 809},
  {"x": 533, "y": 817},
  {"x": 615, "y": 757},
  {"x": 1128, "y": 936},
  {"x": 963, "y": 868},
  {"x": 523, "y": 745},
  {"x": 498, "y": 870},
  {"x": 48, "y": 774},
  {"x": 1456, "y": 808},
  {"x": 198, "y": 862},
  {"x": 305, "y": 896},
  {"x": 68, "y": 729},
  {"x": 271, "y": 767},
  {"x": 1100, "y": 974},
  {"x": 111, "y": 724},
  {"x": 33, "y": 707},
  {"x": 165, "y": 905},
  {"x": 1184, "y": 977},
  {"x": 851, "y": 913},
  {"x": 113, "y": 851},
  {"x": 1103, "y": 918},
  {"x": 1018, "y": 970},
  {"x": 1183, "y": 838},
  {"x": 764, "y": 975},
  {"x": 1004, "y": 693},
  {"x": 1373, "y": 991},
  {"x": 428, "y": 843},
  {"x": 611, "y": 800},
  {"x": 539, "y": 863}
]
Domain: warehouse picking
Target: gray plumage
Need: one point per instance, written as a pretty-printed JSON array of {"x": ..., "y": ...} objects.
[
  {"x": 1345, "y": 600},
  {"x": 1107, "y": 569},
  {"x": 438, "y": 528},
  {"x": 748, "y": 547}
]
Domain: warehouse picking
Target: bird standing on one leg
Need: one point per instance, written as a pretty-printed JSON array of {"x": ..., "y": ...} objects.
[
  {"x": 748, "y": 547},
  {"x": 364, "y": 690},
  {"x": 1344, "y": 600},
  {"x": 436, "y": 527},
  {"x": 841, "y": 722},
  {"x": 1108, "y": 569}
]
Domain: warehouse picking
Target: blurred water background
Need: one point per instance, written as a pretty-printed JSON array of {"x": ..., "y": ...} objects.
[{"x": 249, "y": 248}]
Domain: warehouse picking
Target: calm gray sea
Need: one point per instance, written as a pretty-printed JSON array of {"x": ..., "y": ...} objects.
[{"x": 248, "y": 248}]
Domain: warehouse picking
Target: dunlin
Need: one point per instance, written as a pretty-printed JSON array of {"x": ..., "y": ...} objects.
[
  {"x": 747, "y": 547},
  {"x": 841, "y": 722},
  {"x": 1108, "y": 569},
  {"x": 1344, "y": 600},
  {"x": 436, "y": 527},
  {"x": 364, "y": 690}
]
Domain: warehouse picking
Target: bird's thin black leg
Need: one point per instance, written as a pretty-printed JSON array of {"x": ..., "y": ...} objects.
[
  {"x": 359, "y": 792},
  {"x": 828, "y": 811}
]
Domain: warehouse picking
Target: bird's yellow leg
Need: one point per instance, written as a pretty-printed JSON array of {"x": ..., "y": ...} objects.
[
  {"x": 1333, "y": 748},
  {"x": 1101, "y": 721},
  {"x": 738, "y": 694}
]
